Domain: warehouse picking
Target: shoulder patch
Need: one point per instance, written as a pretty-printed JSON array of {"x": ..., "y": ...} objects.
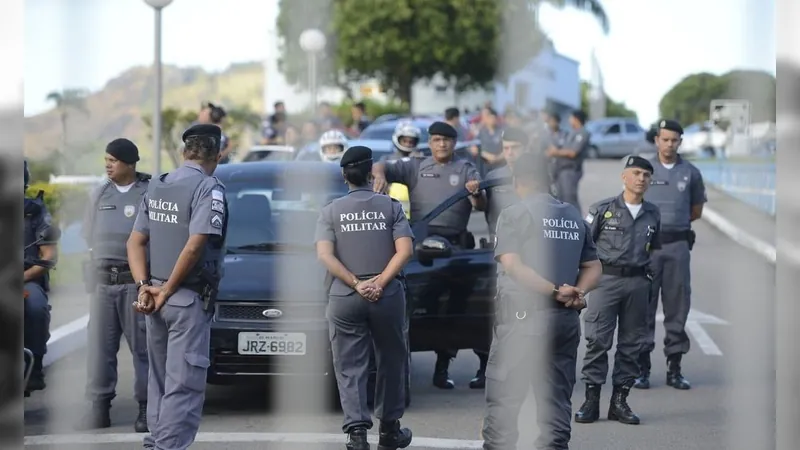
[
  {"x": 589, "y": 219},
  {"x": 216, "y": 194},
  {"x": 216, "y": 221}
]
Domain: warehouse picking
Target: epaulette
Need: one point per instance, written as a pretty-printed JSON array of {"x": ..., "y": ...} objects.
[{"x": 141, "y": 176}]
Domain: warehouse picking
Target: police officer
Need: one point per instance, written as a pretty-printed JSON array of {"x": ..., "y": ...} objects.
[
  {"x": 547, "y": 263},
  {"x": 214, "y": 114},
  {"x": 364, "y": 240},
  {"x": 108, "y": 222},
  {"x": 515, "y": 141},
  {"x": 41, "y": 237},
  {"x": 568, "y": 161},
  {"x": 182, "y": 222},
  {"x": 625, "y": 229},
  {"x": 677, "y": 188},
  {"x": 430, "y": 181}
]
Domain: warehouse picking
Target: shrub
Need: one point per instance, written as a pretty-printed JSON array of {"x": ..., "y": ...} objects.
[{"x": 64, "y": 202}]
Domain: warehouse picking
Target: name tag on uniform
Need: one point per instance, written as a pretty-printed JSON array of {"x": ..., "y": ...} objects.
[
  {"x": 429, "y": 175},
  {"x": 659, "y": 182},
  {"x": 107, "y": 207},
  {"x": 612, "y": 228}
]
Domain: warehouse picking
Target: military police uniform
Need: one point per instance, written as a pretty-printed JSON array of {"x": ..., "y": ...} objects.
[
  {"x": 675, "y": 189},
  {"x": 429, "y": 184},
  {"x": 363, "y": 227},
  {"x": 177, "y": 205},
  {"x": 567, "y": 172},
  {"x": 107, "y": 224},
  {"x": 536, "y": 338},
  {"x": 624, "y": 236},
  {"x": 39, "y": 231}
]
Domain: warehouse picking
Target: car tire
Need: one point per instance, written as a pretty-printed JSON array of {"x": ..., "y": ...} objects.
[{"x": 593, "y": 153}]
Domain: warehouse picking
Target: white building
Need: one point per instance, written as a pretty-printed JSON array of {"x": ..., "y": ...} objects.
[{"x": 550, "y": 80}]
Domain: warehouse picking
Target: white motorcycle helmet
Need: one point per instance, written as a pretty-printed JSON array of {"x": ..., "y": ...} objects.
[
  {"x": 406, "y": 129},
  {"x": 332, "y": 145}
]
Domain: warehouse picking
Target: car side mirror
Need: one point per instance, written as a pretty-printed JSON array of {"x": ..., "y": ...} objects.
[{"x": 433, "y": 247}]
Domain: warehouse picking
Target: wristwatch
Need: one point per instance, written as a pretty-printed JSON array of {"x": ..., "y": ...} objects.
[{"x": 141, "y": 283}]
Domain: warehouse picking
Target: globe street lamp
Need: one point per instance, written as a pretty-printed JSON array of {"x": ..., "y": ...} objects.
[
  {"x": 312, "y": 41},
  {"x": 157, "y": 5}
]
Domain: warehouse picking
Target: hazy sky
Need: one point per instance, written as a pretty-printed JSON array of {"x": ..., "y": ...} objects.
[{"x": 651, "y": 46}]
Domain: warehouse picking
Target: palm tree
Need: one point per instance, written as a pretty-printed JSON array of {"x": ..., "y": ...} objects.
[
  {"x": 593, "y": 7},
  {"x": 66, "y": 101}
]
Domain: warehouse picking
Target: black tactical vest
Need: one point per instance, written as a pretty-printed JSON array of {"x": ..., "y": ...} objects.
[{"x": 169, "y": 211}]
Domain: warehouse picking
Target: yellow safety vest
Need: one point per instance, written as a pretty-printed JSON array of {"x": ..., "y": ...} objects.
[{"x": 399, "y": 192}]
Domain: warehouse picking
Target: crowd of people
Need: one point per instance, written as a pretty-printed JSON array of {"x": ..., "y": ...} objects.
[{"x": 156, "y": 261}]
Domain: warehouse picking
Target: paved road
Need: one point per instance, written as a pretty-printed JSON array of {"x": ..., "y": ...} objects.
[{"x": 731, "y": 366}]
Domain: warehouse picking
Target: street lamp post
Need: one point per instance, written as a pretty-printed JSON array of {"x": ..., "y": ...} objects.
[
  {"x": 157, "y": 5},
  {"x": 312, "y": 41}
]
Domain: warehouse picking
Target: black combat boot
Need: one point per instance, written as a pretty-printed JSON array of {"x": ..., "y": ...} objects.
[
  {"x": 590, "y": 409},
  {"x": 643, "y": 382},
  {"x": 141, "y": 420},
  {"x": 674, "y": 377},
  {"x": 393, "y": 437},
  {"x": 98, "y": 417},
  {"x": 479, "y": 382},
  {"x": 618, "y": 409},
  {"x": 357, "y": 439},
  {"x": 36, "y": 381},
  {"x": 441, "y": 378}
]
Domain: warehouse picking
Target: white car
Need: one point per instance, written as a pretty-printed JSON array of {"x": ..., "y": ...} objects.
[{"x": 699, "y": 137}]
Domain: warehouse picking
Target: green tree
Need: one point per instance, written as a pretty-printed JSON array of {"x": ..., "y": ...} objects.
[
  {"x": 67, "y": 101},
  {"x": 690, "y": 99},
  {"x": 613, "y": 108},
  {"x": 400, "y": 42},
  {"x": 173, "y": 123}
]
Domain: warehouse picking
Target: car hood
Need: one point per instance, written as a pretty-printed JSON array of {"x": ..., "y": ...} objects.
[{"x": 278, "y": 276}]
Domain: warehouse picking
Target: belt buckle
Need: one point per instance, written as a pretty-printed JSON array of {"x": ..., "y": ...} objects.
[{"x": 114, "y": 275}]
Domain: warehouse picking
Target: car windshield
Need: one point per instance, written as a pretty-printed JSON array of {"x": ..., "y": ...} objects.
[
  {"x": 268, "y": 155},
  {"x": 384, "y": 133},
  {"x": 269, "y": 212}
]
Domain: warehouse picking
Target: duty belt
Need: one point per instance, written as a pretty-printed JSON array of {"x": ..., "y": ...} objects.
[
  {"x": 112, "y": 275},
  {"x": 668, "y": 237},
  {"x": 624, "y": 271}
]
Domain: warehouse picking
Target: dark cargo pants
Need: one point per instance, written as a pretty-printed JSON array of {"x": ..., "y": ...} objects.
[
  {"x": 672, "y": 279},
  {"x": 178, "y": 341},
  {"x": 356, "y": 326},
  {"x": 566, "y": 186},
  {"x": 542, "y": 356},
  {"x": 112, "y": 316},
  {"x": 623, "y": 299}
]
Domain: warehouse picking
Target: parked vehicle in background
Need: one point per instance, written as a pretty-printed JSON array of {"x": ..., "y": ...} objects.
[
  {"x": 703, "y": 139},
  {"x": 269, "y": 153},
  {"x": 615, "y": 137}
]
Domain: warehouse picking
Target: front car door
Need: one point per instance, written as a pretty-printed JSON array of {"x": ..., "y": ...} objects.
[{"x": 451, "y": 299}]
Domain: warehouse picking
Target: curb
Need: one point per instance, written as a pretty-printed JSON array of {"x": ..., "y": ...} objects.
[
  {"x": 741, "y": 237},
  {"x": 65, "y": 340}
]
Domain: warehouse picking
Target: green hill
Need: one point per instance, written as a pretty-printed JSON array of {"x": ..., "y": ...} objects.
[{"x": 117, "y": 110}]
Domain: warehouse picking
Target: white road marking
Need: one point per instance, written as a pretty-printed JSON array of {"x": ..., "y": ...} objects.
[
  {"x": 65, "y": 340},
  {"x": 303, "y": 438},
  {"x": 694, "y": 326},
  {"x": 741, "y": 237}
]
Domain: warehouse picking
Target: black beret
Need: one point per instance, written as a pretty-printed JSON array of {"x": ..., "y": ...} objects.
[
  {"x": 514, "y": 134},
  {"x": 531, "y": 166},
  {"x": 356, "y": 155},
  {"x": 580, "y": 115},
  {"x": 650, "y": 136},
  {"x": 442, "y": 129},
  {"x": 124, "y": 150},
  {"x": 638, "y": 161},
  {"x": 203, "y": 130},
  {"x": 671, "y": 125}
]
